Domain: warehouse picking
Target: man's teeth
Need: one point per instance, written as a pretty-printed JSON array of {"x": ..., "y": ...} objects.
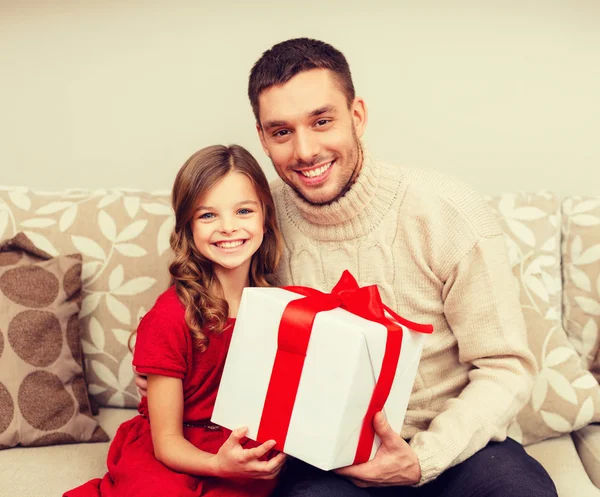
[
  {"x": 237, "y": 243},
  {"x": 316, "y": 172}
]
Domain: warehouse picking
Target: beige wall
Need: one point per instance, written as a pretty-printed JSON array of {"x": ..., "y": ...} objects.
[{"x": 104, "y": 93}]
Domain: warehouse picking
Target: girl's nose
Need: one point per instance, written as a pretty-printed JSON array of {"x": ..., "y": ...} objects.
[{"x": 228, "y": 226}]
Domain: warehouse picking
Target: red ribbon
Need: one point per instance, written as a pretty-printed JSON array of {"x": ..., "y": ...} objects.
[{"x": 293, "y": 336}]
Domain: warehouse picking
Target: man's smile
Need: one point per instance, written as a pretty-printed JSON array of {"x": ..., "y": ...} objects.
[{"x": 317, "y": 174}]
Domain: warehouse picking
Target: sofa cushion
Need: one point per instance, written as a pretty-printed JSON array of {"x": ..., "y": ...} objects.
[
  {"x": 581, "y": 274},
  {"x": 123, "y": 236},
  {"x": 87, "y": 461},
  {"x": 565, "y": 396},
  {"x": 57, "y": 468},
  {"x": 587, "y": 441},
  {"x": 559, "y": 458},
  {"x": 43, "y": 396}
]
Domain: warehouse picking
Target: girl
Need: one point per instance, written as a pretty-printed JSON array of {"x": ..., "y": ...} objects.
[{"x": 225, "y": 238}]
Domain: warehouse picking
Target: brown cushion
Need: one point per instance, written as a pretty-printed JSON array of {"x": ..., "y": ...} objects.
[
  {"x": 43, "y": 395},
  {"x": 581, "y": 274},
  {"x": 123, "y": 236},
  {"x": 565, "y": 396}
]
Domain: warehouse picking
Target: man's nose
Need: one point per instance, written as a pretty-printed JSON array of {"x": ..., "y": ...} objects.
[{"x": 307, "y": 146}]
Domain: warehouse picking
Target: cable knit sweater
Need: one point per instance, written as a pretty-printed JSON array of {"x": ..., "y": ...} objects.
[{"x": 438, "y": 256}]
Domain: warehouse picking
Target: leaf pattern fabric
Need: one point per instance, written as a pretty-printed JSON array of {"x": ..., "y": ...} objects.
[
  {"x": 581, "y": 276},
  {"x": 565, "y": 397},
  {"x": 123, "y": 236}
]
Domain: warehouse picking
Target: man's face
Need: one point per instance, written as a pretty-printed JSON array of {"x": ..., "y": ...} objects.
[{"x": 311, "y": 135}]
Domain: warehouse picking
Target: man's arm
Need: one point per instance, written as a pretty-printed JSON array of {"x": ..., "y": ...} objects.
[
  {"x": 484, "y": 313},
  {"x": 482, "y": 308}
]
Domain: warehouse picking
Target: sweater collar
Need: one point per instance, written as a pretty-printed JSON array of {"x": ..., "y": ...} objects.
[{"x": 357, "y": 213}]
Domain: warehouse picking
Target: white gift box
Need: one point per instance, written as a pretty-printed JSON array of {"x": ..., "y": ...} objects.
[{"x": 343, "y": 361}]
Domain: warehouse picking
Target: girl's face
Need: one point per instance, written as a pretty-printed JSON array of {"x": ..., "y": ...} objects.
[{"x": 228, "y": 223}]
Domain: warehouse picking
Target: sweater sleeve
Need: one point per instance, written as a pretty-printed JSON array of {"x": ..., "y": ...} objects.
[{"x": 483, "y": 311}]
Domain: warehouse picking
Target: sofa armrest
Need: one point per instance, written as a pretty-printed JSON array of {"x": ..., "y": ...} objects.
[
  {"x": 560, "y": 459},
  {"x": 587, "y": 441}
]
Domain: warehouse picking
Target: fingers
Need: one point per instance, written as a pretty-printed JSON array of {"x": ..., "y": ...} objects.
[
  {"x": 383, "y": 428},
  {"x": 347, "y": 471},
  {"x": 266, "y": 470},
  {"x": 276, "y": 463},
  {"x": 236, "y": 436},
  {"x": 358, "y": 483},
  {"x": 141, "y": 382},
  {"x": 261, "y": 450}
]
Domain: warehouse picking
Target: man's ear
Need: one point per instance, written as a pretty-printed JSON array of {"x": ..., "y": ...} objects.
[
  {"x": 360, "y": 115},
  {"x": 261, "y": 137}
]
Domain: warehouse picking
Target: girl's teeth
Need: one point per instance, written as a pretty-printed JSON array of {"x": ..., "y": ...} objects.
[
  {"x": 316, "y": 172},
  {"x": 230, "y": 244}
]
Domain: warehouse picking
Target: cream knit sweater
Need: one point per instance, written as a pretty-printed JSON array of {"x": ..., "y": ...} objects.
[{"x": 438, "y": 256}]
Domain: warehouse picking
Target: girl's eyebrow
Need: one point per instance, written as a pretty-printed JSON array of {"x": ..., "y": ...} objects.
[{"x": 208, "y": 208}]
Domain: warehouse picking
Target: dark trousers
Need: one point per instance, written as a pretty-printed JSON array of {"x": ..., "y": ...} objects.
[{"x": 501, "y": 469}]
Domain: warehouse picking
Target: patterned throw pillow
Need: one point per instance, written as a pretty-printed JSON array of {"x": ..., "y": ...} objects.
[
  {"x": 123, "y": 236},
  {"x": 565, "y": 396},
  {"x": 581, "y": 276},
  {"x": 43, "y": 396}
]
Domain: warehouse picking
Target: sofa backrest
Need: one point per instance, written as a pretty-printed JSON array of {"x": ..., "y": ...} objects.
[{"x": 123, "y": 236}]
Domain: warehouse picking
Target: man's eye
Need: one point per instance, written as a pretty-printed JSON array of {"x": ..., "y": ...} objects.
[
  {"x": 322, "y": 122},
  {"x": 206, "y": 215},
  {"x": 281, "y": 132}
]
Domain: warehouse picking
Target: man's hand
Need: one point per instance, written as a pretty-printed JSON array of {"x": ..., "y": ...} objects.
[
  {"x": 394, "y": 464},
  {"x": 141, "y": 382}
]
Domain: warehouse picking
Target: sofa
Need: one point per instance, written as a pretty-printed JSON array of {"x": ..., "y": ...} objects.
[{"x": 120, "y": 242}]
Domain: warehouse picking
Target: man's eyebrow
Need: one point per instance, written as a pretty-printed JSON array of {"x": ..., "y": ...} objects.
[
  {"x": 322, "y": 110},
  {"x": 274, "y": 124},
  {"x": 317, "y": 112}
]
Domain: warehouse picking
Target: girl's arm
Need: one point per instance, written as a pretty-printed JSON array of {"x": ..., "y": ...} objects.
[{"x": 165, "y": 406}]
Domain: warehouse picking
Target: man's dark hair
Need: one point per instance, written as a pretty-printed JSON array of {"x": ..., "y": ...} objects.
[{"x": 288, "y": 58}]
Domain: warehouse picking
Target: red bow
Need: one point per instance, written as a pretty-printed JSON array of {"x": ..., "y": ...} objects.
[{"x": 294, "y": 334}]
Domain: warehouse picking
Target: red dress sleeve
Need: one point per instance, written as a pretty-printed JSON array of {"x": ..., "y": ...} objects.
[{"x": 162, "y": 342}]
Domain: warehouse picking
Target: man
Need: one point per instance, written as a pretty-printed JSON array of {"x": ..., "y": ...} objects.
[{"x": 437, "y": 255}]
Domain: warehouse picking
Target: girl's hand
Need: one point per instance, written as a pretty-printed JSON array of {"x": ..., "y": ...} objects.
[{"x": 233, "y": 460}]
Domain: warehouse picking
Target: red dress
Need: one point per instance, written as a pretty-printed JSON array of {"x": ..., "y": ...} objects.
[{"x": 164, "y": 346}]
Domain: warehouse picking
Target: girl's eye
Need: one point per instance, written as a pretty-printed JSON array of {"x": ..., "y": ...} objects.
[
  {"x": 244, "y": 211},
  {"x": 206, "y": 215}
]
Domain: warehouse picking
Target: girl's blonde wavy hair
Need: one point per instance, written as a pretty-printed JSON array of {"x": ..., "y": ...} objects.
[{"x": 192, "y": 274}]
